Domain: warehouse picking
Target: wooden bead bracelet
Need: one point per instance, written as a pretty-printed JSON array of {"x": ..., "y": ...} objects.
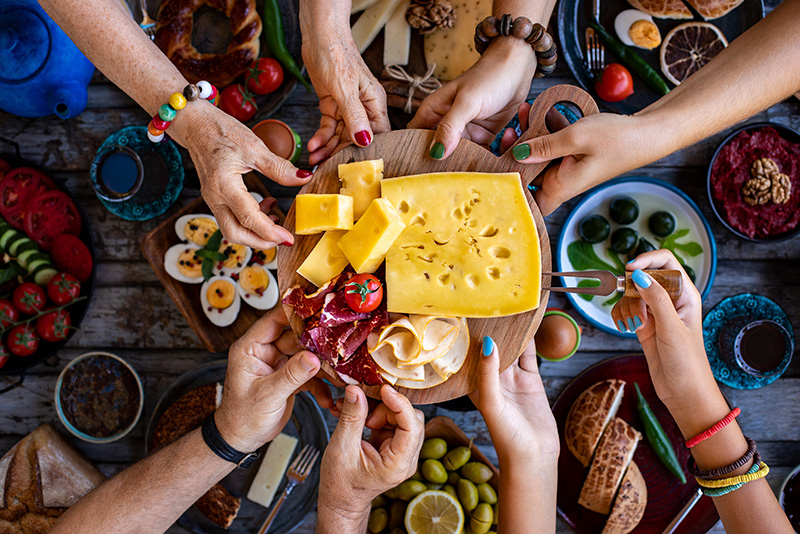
[
  {"x": 763, "y": 470},
  {"x": 719, "y": 492},
  {"x": 522, "y": 28},
  {"x": 177, "y": 101},
  {"x": 751, "y": 454}
]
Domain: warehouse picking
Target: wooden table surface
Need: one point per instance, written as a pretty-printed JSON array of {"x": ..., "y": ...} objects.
[{"x": 132, "y": 316}]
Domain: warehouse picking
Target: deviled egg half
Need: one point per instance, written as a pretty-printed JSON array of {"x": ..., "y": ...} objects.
[
  {"x": 183, "y": 264},
  {"x": 220, "y": 300},
  {"x": 258, "y": 287},
  {"x": 196, "y": 228},
  {"x": 236, "y": 258},
  {"x": 266, "y": 258},
  {"x": 636, "y": 28}
]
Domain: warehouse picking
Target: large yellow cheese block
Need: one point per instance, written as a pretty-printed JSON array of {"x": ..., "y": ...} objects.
[
  {"x": 325, "y": 261},
  {"x": 453, "y": 50},
  {"x": 362, "y": 181},
  {"x": 470, "y": 247},
  {"x": 366, "y": 244},
  {"x": 319, "y": 213}
]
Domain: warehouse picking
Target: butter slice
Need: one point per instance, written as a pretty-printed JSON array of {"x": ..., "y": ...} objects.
[
  {"x": 371, "y": 22},
  {"x": 453, "y": 51},
  {"x": 325, "y": 261},
  {"x": 272, "y": 469},
  {"x": 365, "y": 246},
  {"x": 319, "y": 213},
  {"x": 362, "y": 181}
]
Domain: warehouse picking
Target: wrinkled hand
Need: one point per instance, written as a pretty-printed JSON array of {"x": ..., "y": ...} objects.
[
  {"x": 477, "y": 104},
  {"x": 671, "y": 332},
  {"x": 355, "y": 471},
  {"x": 515, "y": 407},
  {"x": 261, "y": 382}
]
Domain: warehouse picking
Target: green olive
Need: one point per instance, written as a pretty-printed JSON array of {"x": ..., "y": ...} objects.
[
  {"x": 433, "y": 448},
  {"x": 453, "y": 478},
  {"x": 456, "y": 458},
  {"x": 397, "y": 531},
  {"x": 432, "y": 486},
  {"x": 623, "y": 240},
  {"x": 417, "y": 476},
  {"x": 624, "y": 210},
  {"x": 661, "y": 223},
  {"x": 495, "y": 512},
  {"x": 476, "y": 472},
  {"x": 397, "y": 514},
  {"x": 486, "y": 493},
  {"x": 390, "y": 494},
  {"x": 434, "y": 471},
  {"x": 467, "y": 494},
  {"x": 451, "y": 490},
  {"x": 410, "y": 489},
  {"x": 378, "y": 519},
  {"x": 594, "y": 228},
  {"x": 481, "y": 519},
  {"x": 379, "y": 501}
]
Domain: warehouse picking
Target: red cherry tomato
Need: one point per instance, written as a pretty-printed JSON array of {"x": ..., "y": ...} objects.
[
  {"x": 29, "y": 298},
  {"x": 63, "y": 288},
  {"x": 616, "y": 83},
  {"x": 71, "y": 255},
  {"x": 363, "y": 293},
  {"x": 23, "y": 340},
  {"x": 5, "y": 354},
  {"x": 17, "y": 188},
  {"x": 264, "y": 76},
  {"x": 8, "y": 313},
  {"x": 54, "y": 326},
  {"x": 237, "y": 102}
]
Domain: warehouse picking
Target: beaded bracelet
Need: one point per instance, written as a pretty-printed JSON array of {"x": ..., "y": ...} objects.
[
  {"x": 763, "y": 470},
  {"x": 521, "y": 28},
  {"x": 719, "y": 492},
  {"x": 728, "y": 419},
  {"x": 751, "y": 454},
  {"x": 177, "y": 101}
]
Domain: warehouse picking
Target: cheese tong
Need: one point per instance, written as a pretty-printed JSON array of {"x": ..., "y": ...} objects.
[{"x": 612, "y": 283}]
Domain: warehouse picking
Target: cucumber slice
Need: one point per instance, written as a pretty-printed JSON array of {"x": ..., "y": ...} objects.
[
  {"x": 4, "y": 226},
  {"x": 43, "y": 274},
  {"x": 20, "y": 241},
  {"x": 23, "y": 247},
  {"x": 25, "y": 257},
  {"x": 6, "y": 237},
  {"x": 35, "y": 264}
]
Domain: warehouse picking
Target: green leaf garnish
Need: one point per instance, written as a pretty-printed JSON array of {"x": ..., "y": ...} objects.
[{"x": 583, "y": 258}]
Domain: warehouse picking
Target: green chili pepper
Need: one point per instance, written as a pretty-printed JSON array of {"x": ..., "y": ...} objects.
[
  {"x": 633, "y": 60},
  {"x": 658, "y": 438},
  {"x": 273, "y": 25}
]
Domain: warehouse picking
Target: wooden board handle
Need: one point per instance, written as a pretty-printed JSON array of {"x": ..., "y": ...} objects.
[{"x": 669, "y": 280}]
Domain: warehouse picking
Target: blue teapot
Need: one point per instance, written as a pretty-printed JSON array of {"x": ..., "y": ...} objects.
[{"x": 41, "y": 70}]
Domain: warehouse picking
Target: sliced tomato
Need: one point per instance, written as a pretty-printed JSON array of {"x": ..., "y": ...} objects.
[
  {"x": 71, "y": 255},
  {"x": 50, "y": 214},
  {"x": 23, "y": 340},
  {"x": 17, "y": 188},
  {"x": 363, "y": 293},
  {"x": 62, "y": 289},
  {"x": 8, "y": 313},
  {"x": 54, "y": 326}
]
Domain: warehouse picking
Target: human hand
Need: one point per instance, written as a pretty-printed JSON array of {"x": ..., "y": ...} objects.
[
  {"x": 355, "y": 471},
  {"x": 477, "y": 104},
  {"x": 261, "y": 382},
  {"x": 515, "y": 407}
]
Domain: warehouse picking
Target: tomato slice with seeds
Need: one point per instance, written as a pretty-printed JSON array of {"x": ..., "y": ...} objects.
[
  {"x": 49, "y": 215},
  {"x": 17, "y": 188}
]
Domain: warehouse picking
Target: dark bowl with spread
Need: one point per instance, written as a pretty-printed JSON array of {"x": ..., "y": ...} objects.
[
  {"x": 99, "y": 397},
  {"x": 789, "y": 497},
  {"x": 731, "y": 170}
]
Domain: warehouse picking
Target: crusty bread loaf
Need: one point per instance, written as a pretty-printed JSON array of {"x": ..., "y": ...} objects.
[
  {"x": 613, "y": 456},
  {"x": 589, "y": 416},
  {"x": 714, "y": 9},
  {"x": 663, "y": 9},
  {"x": 630, "y": 503}
]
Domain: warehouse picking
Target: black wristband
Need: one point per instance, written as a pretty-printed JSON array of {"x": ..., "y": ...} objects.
[{"x": 220, "y": 447}]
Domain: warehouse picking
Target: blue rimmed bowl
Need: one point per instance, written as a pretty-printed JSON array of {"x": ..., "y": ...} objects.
[{"x": 651, "y": 195}]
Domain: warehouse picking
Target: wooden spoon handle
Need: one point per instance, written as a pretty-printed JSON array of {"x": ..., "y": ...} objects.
[{"x": 669, "y": 280}]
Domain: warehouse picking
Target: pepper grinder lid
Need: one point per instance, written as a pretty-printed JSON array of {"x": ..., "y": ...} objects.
[{"x": 24, "y": 43}]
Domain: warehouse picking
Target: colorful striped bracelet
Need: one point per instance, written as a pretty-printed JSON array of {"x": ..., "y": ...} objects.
[
  {"x": 728, "y": 419},
  {"x": 763, "y": 470},
  {"x": 719, "y": 492},
  {"x": 177, "y": 101}
]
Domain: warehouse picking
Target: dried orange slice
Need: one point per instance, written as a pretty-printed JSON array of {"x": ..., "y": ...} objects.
[{"x": 689, "y": 46}]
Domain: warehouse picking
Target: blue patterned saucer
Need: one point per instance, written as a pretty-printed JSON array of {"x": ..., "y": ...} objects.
[
  {"x": 723, "y": 323},
  {"x": 163, "y": 174}
]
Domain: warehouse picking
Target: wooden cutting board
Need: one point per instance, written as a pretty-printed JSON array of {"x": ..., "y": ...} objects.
[{"x": 405, "y": 152}]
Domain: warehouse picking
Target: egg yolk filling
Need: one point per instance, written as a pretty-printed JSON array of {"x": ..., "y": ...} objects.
[
  {"x": 199, "y": 230},
  {"x": 220, "y": 294},
  {"x": 254, "y": 279},
  {"x": 234, "y": 255},
  {"x": 264, "y": 256},
  {"x": 189, "y": 264},
  {"x": 645, "y": 33}
]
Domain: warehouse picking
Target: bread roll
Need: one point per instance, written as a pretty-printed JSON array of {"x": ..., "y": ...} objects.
[
  {"x": 714, "y": 9},
  {"x": 630, "y": 503},
  {"x": 589, "y": 416},
  {"x": 663, "y": 9}
]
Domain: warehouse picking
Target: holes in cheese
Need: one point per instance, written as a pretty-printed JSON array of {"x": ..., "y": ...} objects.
[
  {"x": 271, "y": 471},
  {"x": 365, "y": 246},
  {"x": 362, "y": 181},
  {"x": 325, "y": 261},
  {"x": 319, "y": 213}
]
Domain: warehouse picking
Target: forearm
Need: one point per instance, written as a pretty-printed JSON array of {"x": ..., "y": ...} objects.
[
  {"x": 334, "y": 520},
  {"x": 527, "y": 497},
  {"x": 150, "y": 495},
  {"x": 322, "y": 18}
]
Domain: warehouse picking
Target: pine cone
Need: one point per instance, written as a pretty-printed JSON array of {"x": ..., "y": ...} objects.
[{"x": 427, "y": 16}]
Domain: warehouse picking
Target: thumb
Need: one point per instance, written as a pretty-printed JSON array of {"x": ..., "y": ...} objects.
[
  {"x": 489, "y": 374},
  {"x": 451, "y": 127},
  {"x": 300, "y": 368},
  {"x": 545, "y": 148},
  {"x": 355, "y": 118},
  {"x": 278, "y": 169},
  {"x": 353, "y": 417},
  {"x": 657, "y": 299}
]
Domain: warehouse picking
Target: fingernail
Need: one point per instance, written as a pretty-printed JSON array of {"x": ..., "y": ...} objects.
[
  {"x": 641, "y": 279},
  {"x": 533, "y": 188},
  {"x": 268, "y": 203},
  {"x": 363, "y": 138},
  {"x": 302, "y": 173},
  {"x": 631, "y": 327},
  {"x": 437, "y": 151},
  {"x": 621, "y": 326},
  {"x": 275, "y": 219},
  {"x": 287, "y": 244},
  {"x": 307, "y": 363},
  {"x": 350, "y": 396},
  {"x": 488, "y": 346},
  {"x": 637, "y": 322},
  {"x": 521, "y": 151},
  {"x": 633, "y": 260}
]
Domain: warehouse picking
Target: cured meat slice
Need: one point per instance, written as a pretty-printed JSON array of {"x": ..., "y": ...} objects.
[
  {"x": 362, "y": 329},
  {"x": 361, "y": 368},
  {"x": 336, "y": 311},
  {"x": 330, "y": 341},
  {"x": 306, "y": 305}
]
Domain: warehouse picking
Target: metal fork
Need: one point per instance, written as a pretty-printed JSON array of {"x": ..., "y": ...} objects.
[
  {"x": 595, "y": 51},
  {"x": 298, "y": 472},
  {"x": 147, "y": 24},
  {"x": 611, "y": 283}
]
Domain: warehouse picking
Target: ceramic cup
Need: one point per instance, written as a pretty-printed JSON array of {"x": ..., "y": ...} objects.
[
  {"x": 791, "y": 499},
  {"x": 279, "y": 138},
  {"x": 573, "y": 323},
  {"x": 120, "y": 174},
  {"x": 762, "y": 347}
]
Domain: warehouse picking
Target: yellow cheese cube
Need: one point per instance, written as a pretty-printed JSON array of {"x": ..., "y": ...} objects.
[
  {"x": 366, "y": 244},
  {"x": 325, "y": 261},
  {"x": 470, "y": 248},
  {"x": 362, "y": 181},
  {"x": 320, "y": 213}
]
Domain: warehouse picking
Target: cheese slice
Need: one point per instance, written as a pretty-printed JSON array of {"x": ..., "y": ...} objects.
[
  {"x": 397, "y": 37},
  {"x": 271, "y": 471},
  {"x": 325, "y": 261},
  {"x": 366, "y": 244},
  {"x": 453, "y": 50},
  {"x": 361, "y": 5},
  {"x": 362, "y": 181},
  {"x": 320, "y": 213},
  {"x": 470, "y": 247},
  {"x": 371, "y": 22}
]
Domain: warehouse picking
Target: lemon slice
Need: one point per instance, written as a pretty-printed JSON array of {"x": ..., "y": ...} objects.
[{"x": 434, "y": 512}]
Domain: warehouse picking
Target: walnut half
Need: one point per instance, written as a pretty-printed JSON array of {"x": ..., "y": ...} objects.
[
  {"x": 764, "y": 167},
  {"x": 781, "y": 188},
  {"x": 757, "y": 191}
]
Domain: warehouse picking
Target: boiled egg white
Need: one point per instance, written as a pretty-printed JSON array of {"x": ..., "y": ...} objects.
[
  {"x": 646, "y": 35},
  {"x": 196, "y": 228},
  {"x": 237, "y": 258},
  {"x": 220, "y": 300},
  {"x": 256, "y": 196},
  {"x": 190, "y": 271},
  {"x": 267, "y": 258},
  {"x": 258, "y": 287}
]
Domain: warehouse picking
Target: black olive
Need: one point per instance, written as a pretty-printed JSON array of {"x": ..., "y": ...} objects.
[
  {"x": 690, "y": 272},
  {"x": 661, "y": 223},
  {"x": 623, "y": 240},
  {"x": 624, "y": 210},
  {"x": 644, "y": 246},
  {"x": 594, "y": 229}
]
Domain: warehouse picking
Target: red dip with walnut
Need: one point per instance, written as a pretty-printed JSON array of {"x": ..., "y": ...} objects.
[{"x": 733, "y": 169}]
